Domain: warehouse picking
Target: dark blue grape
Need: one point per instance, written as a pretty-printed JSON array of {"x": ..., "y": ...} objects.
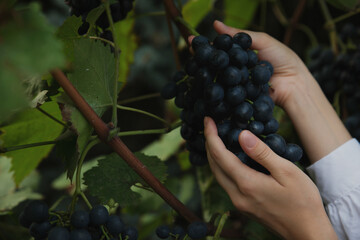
[
  {"x": 266, "y": 98},
  {"x": 261, "y": 75},
  {"x": 245, "y": 159},
  {"x": 186, "y": 131},
  {"x": 245, "y": 75},
  {"x": 163, "y": 231},
  {"x": 214, "y": 94},
  {"x": 238, "y": 57},
  {"x": 98, "y": 215},
  {"x": 59, "y": 233},
  {"x": 191, "y": 67},
  {"x": 243, "y": 112},
  {"x": 200, "y": 108},
  {"x": 231, "y": 76},
  {"x": 271, "y": 126},
  {"x": 115, "y": 225},
  {"x": 199, "y": 41},
  {"x": 197, "y": 158},
  {"x": 130, "y": 233},
  {"x": 178, "y": 231},
  {"x": 252, "y": 90},
  {"x": 220, "y": 111},
  {"x": 252, "y": 58},
  {"x": 178, "y": 76},
  {"x": 80, "y": 234},
  {"x": 233, "y": 138},
  {"x": 262, "y": 111},
  {"x": 235, "y": 95},
  {"x": 219, "y": 60},
  {"x": 256, "y": 127},
  {"x": 169, "y": 90},
  {"x": 276, "y": 143},
  {"x": 197, "y": 230},
  {"x": 24, "y": 221},
  {"x": 37, "y": 211},
  {"x": 243, "y": 39},
  {"x": 203, "y": 54},
  {"x": 203, "y": 77},
  {"x": 40, "y": 230},
  {"x": 223, "y": 41},
  {"x": 80, "y": 219},
  {"x": 268, "y": 65},
  {"x": 223, "y": 129},
  {"x": 180, "y": 100},
  {"x": 198, "y": 143},
  {"x": 293, "y": 152}
]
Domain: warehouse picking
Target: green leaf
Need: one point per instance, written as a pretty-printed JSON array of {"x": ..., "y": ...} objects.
[
  {"x": 166, "y": 146},
  {"x": 94, "y": 14},
  {"x": 127, "y": 44},
  {"x": 10, "y": 196},
  {"x": 239, "y": 14},
  {"x": 68, "y": 33},
  {"x": 93, "y": 77},
  {"x": 66, "y": 149},
  {"x": 195, "y": 10},
  {"x": 31, "y": 126},
  {"x": 113, "y": 178},
  {"x": 28, "y": 48},
  {"x": 345, "y": 5}
]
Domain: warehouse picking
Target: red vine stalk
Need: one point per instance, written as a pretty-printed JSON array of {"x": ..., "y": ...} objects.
[
  {"x": 124, "y": 152},
  {"x": 294, "y": 21}
]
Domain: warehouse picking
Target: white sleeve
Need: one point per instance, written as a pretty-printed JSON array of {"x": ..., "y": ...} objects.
[{"x": 337, "y": 177}]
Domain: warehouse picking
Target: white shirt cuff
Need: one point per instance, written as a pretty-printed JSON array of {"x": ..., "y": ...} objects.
[{"x": 338, "y": 173}]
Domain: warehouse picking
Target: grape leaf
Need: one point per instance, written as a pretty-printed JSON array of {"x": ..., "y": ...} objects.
[
  {"x": 10, "y": 196},
  {"x": 200, "y": 7},
  {"x": 28, "y": 48},
  {"x": 94, "y": 14},
  {"x": 31, "y": 126},
  {"x": 165, "y": 146},
  {"x": 113, "y": 178},
  {"x": 127, "y": 44},
  {"x": 239, "y": 14},
  {"x": 93, "y": 77},
  {"x": 68, "y": 33}
]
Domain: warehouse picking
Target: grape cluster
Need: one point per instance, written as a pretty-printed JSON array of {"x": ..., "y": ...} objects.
[
  {"x": 81, "y": 225},
  {"x": 226, "y": 81},
  {"x": 195, "y": 230},
  {"x": 119, "y": 11},
  {"x": 341, "y": 74}
]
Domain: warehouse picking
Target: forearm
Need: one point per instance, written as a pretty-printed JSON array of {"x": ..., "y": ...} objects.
[{"x": 319, "y": 128}]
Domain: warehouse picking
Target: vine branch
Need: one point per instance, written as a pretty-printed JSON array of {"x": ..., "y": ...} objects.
[
  {"x": 294, "y": 21},
  {"x": 124, "y": 152}
]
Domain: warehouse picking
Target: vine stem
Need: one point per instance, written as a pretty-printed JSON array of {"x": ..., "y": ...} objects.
[
  {"x": 51, "y": 117},
  {"x": 104, "y": 40},
  {"x": 139, "y": 98},
  {"x": 330, "y": 26},
  {"x": 294, "y": 21},
  {"x": 221, "y": 225},
  {"x": 142, "y": 112},
  {"x": 173, "y": 42},
  {"x": 342, "y": 17},
  {"x": 30, "y": 145},
  {"x": 117, "y": 61},
  {"x": 78, "y": 176}
]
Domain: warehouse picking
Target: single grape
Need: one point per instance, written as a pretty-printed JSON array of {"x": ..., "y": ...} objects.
[
  {"x": 80, "y": 234},
  {"x": 252, "y": 58},
  {"x": 80, "y": 219},
  {"x": 199, "y": 41},
  {"x": 98, "y": 215},
  {"x": 238, "y": 57},
  {"x": 115, "y": 225},
  {"x": 233, "y": 138},
  {"x": 231, "y": 76},
  {"x": 186, "y": 131},
  {"x": 197, "y": 230},
  {"x": 40, "y": 230},
  {"x": 243, "y": 39},
  {"x": 235, "y": 95},
  {"x": 163, "y": 231},
  {"x": 243, "y": 112},
  {"x": 37, "y": 211},
  {"x": 223, "y": 41},
  {"x": 276, "y": 143},
  {"x": 293, "y": 152},
  {"x": 203, "y": 54},
  {"x": 219, "y": 59},
  {"x": 130, "y": 233},
  {"x": 262, "y": 111},
  {"x": 252, "y": 90},
  {"x": 261, "y": 74},
  {"x": 214, "y": 94},
  {"x": 191, "y": 67},
  {"x": 256, "y": 127},
  {"x": 271, "y": 126},
  {"x": 59, "y": 233}
]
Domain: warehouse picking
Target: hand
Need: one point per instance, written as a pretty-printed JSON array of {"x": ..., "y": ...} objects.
[
  {"x": 287, "y": 200},
  {"x": 297, "y": 92}
]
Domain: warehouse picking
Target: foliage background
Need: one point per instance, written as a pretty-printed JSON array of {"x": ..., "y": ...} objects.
[{"x": 147, "y": 64}]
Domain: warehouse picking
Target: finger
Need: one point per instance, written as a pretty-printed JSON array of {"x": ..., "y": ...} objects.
[
  {"x": 261, "y": 153},
  {"x": 226, "y": 160}
]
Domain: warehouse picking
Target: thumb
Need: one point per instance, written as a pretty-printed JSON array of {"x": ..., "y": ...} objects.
[{"x": 261, "y": 153}]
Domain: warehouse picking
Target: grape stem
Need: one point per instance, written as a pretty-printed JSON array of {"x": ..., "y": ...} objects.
[
  {"x": 142, "y": 112},
  {"x": 342, "y": 17},
  {"x": 139, "y": 98},
  {"x": 104, "y": 40},
  {"x": 51, "y": 117},
  {"x": 30, "y": 145},
  {"x": 330, "y": 26},
  {"x": 221, "y": 225},
  {"x": 117, "y": 61},
  {"x": 294, "y": 21}
]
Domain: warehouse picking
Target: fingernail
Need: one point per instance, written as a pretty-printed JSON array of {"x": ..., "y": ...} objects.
[
  {"x": 206, "y": 120},
  {"x": 248, "y": 139}
]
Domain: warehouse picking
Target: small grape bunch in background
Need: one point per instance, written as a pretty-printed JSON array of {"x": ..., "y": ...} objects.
[
  {"x": 80, "y": 225},
  {"x": 226, "y": 81},
  {"x": 195, "y": 230}
]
